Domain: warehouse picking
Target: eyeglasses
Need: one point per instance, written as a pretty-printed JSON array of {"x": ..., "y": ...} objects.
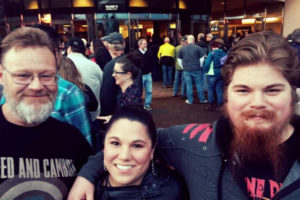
[
  {"x": 116, "y": 72},
  {"x": 27, "y": 78}
]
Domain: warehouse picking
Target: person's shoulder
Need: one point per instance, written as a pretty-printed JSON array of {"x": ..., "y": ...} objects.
[
  {"x": 93, "y": 65},
  {"x": 67, "y": 89},
  {"x": 183, "y": 47},
  {"x": 108, "y": 68},
  {"x": 64, "y": 84},
  {"x": 136, "y": 51},
  {"x": 171, "y": 184},
  {"x": 55, "y": 124},
  {"x": 178, "y": 46},
  {"x": 195, "y": 131},
  {"x": 296, "y": 123},
  {"x": 64, "y": 132},
  {"x": 197, "y": 47}
]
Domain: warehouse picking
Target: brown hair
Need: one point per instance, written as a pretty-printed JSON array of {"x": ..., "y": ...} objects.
[
  {"x": 69, "y": 72},
  {"x": 97, "y": 44},
  {"x": 131, "y": 63},
  {"x": 264, "y": 47},
  {"x": 26, "y": 37}
]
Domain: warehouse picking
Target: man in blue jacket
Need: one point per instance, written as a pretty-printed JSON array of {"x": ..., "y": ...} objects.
[{"x": 252, "y": 151}]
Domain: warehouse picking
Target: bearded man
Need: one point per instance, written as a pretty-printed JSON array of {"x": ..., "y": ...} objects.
[
  {"x": 252, "y": 151},
  {"x": 39, "y": 154}
]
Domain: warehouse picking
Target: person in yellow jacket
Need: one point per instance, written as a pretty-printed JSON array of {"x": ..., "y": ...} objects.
[{"x": 166, "y": 58}]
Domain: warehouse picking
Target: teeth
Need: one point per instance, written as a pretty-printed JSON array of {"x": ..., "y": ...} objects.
[{"x": 124, "y": 167}]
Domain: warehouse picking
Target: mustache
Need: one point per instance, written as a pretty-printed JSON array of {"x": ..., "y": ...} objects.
[{"x": 265, "y": 114}]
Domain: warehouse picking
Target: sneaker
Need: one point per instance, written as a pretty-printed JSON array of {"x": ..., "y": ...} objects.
[
  {"x": 147, "y": 108},
  {"x": 202, "y": 102},
  {"x": 175, "y": 95},
  {"x": 187, "y": 102}
]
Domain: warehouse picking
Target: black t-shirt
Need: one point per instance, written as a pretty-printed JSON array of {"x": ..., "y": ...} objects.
[
  {"x": 260, "y": 181},
  {"x": 39, "y": 162}
]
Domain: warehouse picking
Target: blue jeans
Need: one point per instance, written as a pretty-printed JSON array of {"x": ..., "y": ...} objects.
[
  {"x": 195, "y": 77},
  {"x": 179, "y": 80},
  {"x": 215, "y": 84},
  {"x": 147, "y": 84},
  {"x": 204, "y": 82},
  {"x": 167, "y": 75}
]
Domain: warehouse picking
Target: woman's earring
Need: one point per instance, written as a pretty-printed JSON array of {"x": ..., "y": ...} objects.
[
  {"x": 154, "y": 172},
  {"x": 104, "y": 166}
]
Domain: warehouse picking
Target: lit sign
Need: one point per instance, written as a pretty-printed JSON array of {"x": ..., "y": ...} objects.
[{"x": 111, "y": 7}]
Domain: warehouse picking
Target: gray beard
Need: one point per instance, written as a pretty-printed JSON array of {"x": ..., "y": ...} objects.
[{"x": 30, "y": 114}]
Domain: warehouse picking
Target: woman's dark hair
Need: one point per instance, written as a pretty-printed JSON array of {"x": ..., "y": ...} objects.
[
  {"x": 131, "y": 63},
  {"x": 135, "y": 113},
  {"x": 97, "y": 44}
]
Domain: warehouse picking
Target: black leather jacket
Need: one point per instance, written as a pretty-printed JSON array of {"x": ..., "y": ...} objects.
[{"x": 165, "y": 185}]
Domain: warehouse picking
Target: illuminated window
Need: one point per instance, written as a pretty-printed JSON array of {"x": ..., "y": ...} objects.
[
  {"x": 46, "y": 18},
  {"x": 184, "y": 4},
  {"x": 138, "y": 3},
  {"x": 83, "y": 3},
  {"x": 31, "y": 4}
]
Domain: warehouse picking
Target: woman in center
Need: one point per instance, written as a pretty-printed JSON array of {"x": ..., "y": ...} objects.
[
  {"x": 132, "y": 173},
  {"x": 127, "y": 75},
  {"x": 126, "y": 72}
]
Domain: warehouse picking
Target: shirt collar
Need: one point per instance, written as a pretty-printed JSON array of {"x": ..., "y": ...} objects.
[{"x": 142, "y": 51}]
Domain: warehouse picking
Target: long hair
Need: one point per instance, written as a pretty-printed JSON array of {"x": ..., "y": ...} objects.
[{"x": 69, "y": 72}]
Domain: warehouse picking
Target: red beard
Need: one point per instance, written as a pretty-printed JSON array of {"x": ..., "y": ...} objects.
[{"x": 258, "y": 142}]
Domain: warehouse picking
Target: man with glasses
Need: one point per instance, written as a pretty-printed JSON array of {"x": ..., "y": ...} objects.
[
  {"x": 39, "y": 154},
  {"x": 69, "y": 106}
]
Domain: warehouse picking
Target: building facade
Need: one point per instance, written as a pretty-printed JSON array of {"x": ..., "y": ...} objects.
[{"x": 95, "y": 18}]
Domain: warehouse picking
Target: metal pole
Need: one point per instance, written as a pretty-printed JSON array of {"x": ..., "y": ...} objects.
[
  {"x": 129, "y": 32},
  {"x": 264, "y": 23},
  {"x": 282, "y": 18},
  {"x": 225, "y": 23}
]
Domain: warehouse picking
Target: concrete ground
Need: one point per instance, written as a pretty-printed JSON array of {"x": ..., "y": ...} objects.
[{"x": 168, "y": 110}]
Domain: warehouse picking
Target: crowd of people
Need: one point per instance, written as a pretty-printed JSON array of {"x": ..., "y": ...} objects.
[{"x": 61, "y": 106}]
